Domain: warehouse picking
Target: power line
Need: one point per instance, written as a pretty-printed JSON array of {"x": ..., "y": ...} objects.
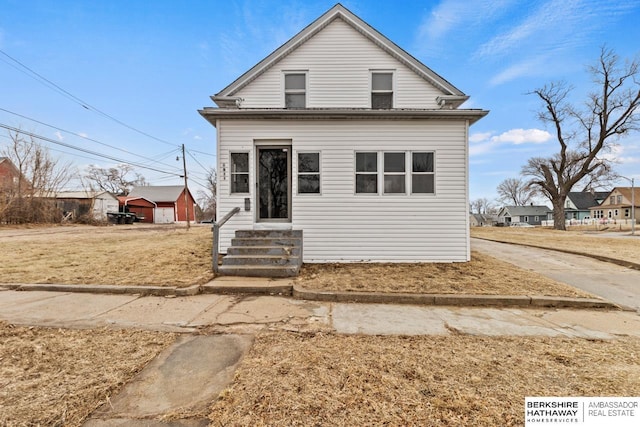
[
  {"x": 34, "y": 75},
  {"x": 81, "y": 136},
  {"x": 84, "y": 150}
]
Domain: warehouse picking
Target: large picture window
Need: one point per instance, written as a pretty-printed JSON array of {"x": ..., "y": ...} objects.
[
  {"x": 308, "y": 173},
  {"x": 295, "y": 90},
  {"x": 239, "y": 172},
  {"x": 367, "y": 172},
  {"x": 394, "y": 173},
  {"x": 422, "y": 173}
]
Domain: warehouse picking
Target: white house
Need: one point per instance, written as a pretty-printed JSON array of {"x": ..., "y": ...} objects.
[{"x": 342, "y": 134}]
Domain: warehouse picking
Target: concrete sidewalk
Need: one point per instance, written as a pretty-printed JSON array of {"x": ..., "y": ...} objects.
[{"x": 219, "y": 329}]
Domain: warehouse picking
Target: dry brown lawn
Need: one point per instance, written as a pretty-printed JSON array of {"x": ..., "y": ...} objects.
[
  {"x": 57, "y": 377},
  {"x": 585, "y": 241},
  {"x": 108, "y": 255},
  {"x": 483, "y": 275},
  {"x": 324, "y": 379}
]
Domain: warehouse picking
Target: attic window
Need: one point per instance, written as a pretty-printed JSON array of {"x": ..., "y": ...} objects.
[
  {"x": 381, "y": 90},
  {"x": 295, "y": 91}
]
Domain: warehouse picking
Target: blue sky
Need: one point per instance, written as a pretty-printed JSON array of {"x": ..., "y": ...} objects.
[{"x": 152, "y": 64}]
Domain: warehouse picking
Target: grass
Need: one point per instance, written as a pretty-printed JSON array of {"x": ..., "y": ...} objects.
[
  {"x": 57, "y": 377},
  {"x": 582, "y": 240},
  {"x": 112, "y": 255},
  {"x": 325, "y": 379}
]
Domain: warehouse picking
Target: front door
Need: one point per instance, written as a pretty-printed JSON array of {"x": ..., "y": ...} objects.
[{"x": 274, "y": 184}]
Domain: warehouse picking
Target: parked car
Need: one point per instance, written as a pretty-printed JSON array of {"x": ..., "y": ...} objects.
[{"x": 521, "y": 225}]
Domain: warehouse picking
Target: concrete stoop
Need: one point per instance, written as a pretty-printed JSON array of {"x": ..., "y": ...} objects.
[{"x": 263, "y": 253}]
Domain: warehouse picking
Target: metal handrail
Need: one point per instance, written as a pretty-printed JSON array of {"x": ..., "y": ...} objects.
[{"x": 216, "y": 236}]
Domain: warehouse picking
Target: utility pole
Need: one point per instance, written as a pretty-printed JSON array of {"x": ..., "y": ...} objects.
[{"x": 186, "y": 203}]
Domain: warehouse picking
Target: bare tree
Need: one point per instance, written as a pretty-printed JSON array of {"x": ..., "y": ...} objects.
[
  {"x": 515, "y": 191},
  {"x": 585, "y": 135},
  {"x": 207, "y": 198},
  {"x": 118, "y": 180},
  {"x": 482, "y": 206},
  {"x": 39, "y": 178}
]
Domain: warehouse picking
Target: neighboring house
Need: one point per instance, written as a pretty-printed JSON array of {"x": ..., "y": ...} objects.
[
  {"x": 617, "y": 205},
  {"x": 343, "y": 135},
  {"x": 483, "y": 220},
  {"x": 579, "y": 203},
  {"x": 9, "y": 175},
  {"x": 169, "y": 202},
  {"x": 530, "y": 214},
  {"x": 143, "y": 208},
  {"x": 75, "y": 204}
]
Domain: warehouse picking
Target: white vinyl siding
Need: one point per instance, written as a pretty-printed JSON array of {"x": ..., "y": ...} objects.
[
  {"x": 339, "y": 61},
  {"x": 342, "y": 226}
]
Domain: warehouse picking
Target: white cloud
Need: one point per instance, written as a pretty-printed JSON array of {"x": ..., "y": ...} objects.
[
  {"x": 59, "y": 136},
  {"x": 197, "y": 137},
  {"x": 523, "y": 136},
  {"x": 84, "y": 135},
  {"x": 484, "y": 142}
]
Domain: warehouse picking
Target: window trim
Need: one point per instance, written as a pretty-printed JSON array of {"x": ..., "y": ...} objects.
[
  {"x": 286, "y": 92},
  {"x": 403, "y": 174},
  {"x": 408, "y": 173},
  {"x": 356, "y": 173},
  {"x": 319, "y": 173},
  {"x": 232, "y": 173},
  {"x": 392, "y": 91},
  {"x": 433, "y": 152}
]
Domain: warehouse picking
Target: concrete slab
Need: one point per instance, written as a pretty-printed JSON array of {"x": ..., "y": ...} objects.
[
  {"x": 379, "y": 319},
  {"x": 188, "y": 376},
  {"x": 11, "y": 299},
  {"x": 162, "y": 311},
  {"x": 271, "y": 309},
  {"x": 496, "y": 322},
  {"x": 595, "y": 324},
  {"x": 59, "y": 309}
]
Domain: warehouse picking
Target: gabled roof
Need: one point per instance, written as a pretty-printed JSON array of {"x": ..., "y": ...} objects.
[
  {"x": 451, "y": 93},
  {"x": 158, "y": 193},
  {"x": 583, "y": 200},
  {"x": 128, "y": 200},
  {"x": 82, "y": 194},
  {"x": 529, "y": 210}
]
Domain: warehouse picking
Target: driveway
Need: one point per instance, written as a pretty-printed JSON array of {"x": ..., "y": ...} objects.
[{"x": 615, "y": 283}]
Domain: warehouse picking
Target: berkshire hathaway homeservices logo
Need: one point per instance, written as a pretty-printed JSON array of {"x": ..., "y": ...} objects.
[{"x": 582, "y": 411}]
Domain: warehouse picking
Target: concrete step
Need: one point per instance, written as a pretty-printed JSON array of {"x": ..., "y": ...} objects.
[
  {"x": 260, "y": 260},
  {"x": 264, "y": 250},
  {"x": 259, "y": 271},
  {"x": 269, "y": 233},
  {"x": 266, "y": 241}
]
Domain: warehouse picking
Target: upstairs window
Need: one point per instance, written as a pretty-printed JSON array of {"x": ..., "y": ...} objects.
[
  {"x": 239, "y": 172},
  {"x": 295, "y": 90},
  {"x": 381, "y": 90},
  {"x": 308, "y": 173}
]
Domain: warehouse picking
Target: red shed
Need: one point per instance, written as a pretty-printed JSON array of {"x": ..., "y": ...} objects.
[
  {"x": 142, "y": 207},
  {"x": 169, "y": 202}
]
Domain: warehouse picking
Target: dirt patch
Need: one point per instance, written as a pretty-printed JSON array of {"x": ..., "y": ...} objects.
[
  {"x": 57, "y": 377},
  {"x": 589, "y": 242},
  {"x": 483, "y": 275},
  {"x": 110, "y": 255},
  {"x": 325, "y": 379}
]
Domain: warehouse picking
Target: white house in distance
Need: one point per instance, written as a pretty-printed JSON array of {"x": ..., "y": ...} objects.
[{"x": 342, "y": 134}]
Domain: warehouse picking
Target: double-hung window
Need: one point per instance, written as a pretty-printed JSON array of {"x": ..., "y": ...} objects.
[
  {"x": 394, "y": 173},
  {"x": 295, "y": 90},
  {"x": 422, "y": 173},
  {"x": 308, "y": 173},
  {"x": 239, "y": 172},
  {"x": 381, "y": 90},
  {"x": 367, "y": 172}
]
